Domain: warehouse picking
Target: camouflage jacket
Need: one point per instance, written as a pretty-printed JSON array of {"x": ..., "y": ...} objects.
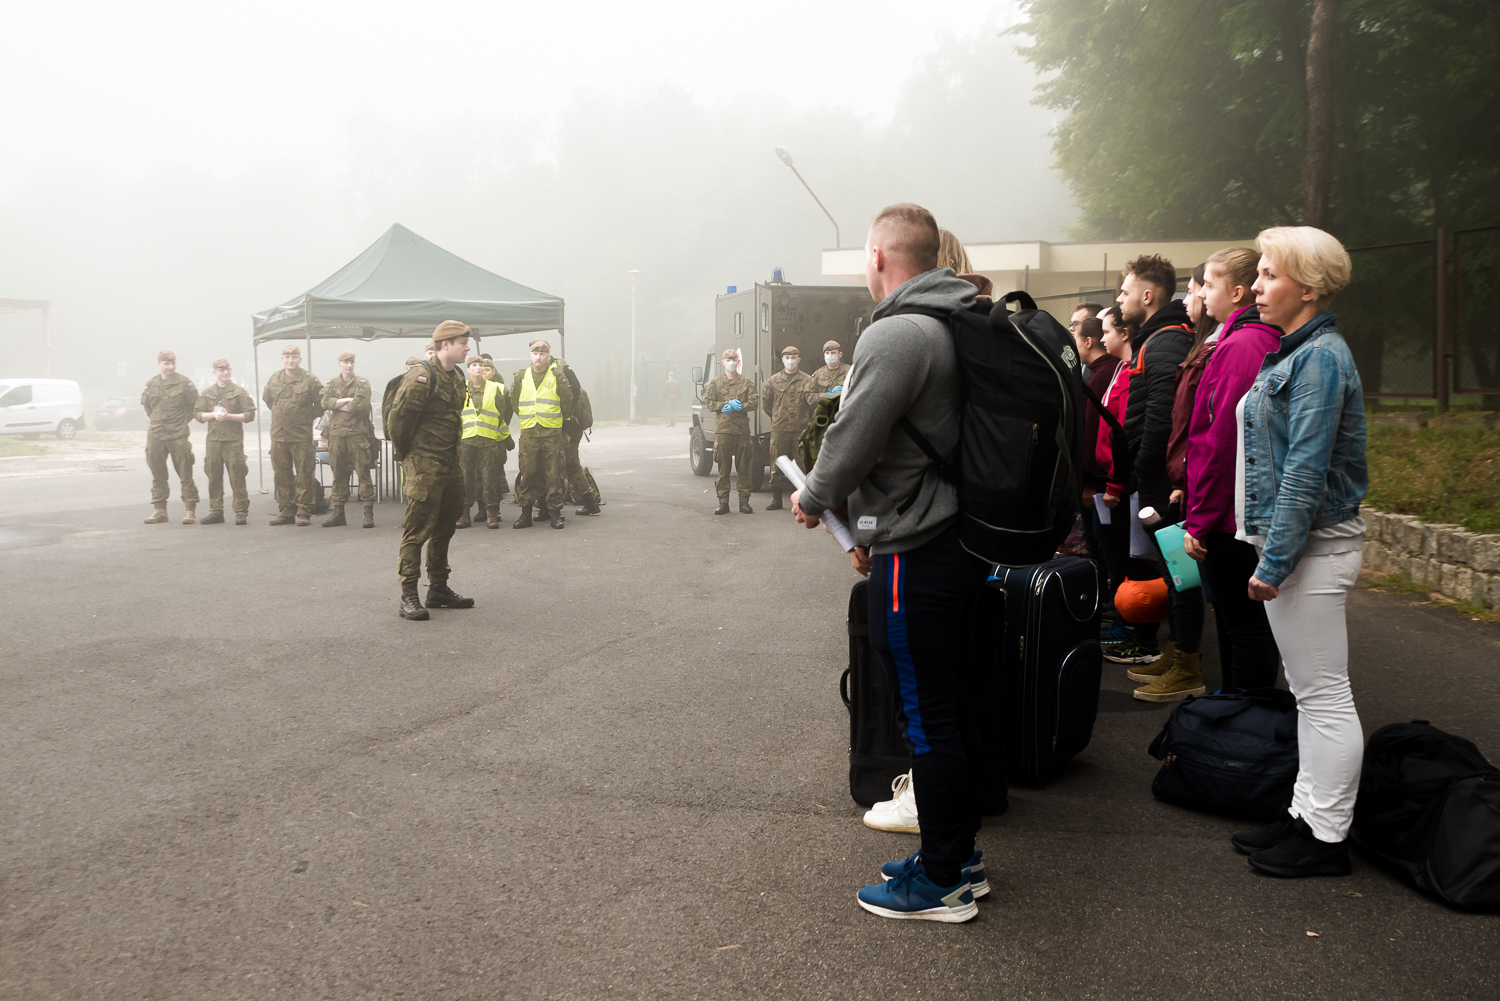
[
  {"x": 426, "y": 419},
  {"x": 826, "y": 378},
  {"x": 721, "y": 391},
  {"x": 169, "y": 404},
  {"x": 293, "y": 400},
  {"x": 354, "y": 421},
  {"x": 235, "y": 401},
  {"x": 785, "y": 396}
]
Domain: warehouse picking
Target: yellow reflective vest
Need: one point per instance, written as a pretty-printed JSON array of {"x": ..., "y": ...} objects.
[
  {"x": 482, "y": 421},
  {"x": 539, "y": 406}
]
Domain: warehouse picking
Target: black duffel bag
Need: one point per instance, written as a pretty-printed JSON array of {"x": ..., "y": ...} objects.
[
  {"x": 1429, "y": 810},
  {"x": 1233, "y": 754}
]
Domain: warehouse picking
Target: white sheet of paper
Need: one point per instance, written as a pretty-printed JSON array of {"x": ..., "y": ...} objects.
[{"x": 1101, "y": 510}]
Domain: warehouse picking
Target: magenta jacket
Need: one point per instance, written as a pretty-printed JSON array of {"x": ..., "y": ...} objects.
[{"x": 1213, "y": 435}]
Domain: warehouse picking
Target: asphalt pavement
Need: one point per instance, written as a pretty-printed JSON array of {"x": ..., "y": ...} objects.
[{"x": 231, "y": 771}]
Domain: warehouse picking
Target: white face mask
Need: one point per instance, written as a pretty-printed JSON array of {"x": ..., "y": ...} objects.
[
  {"x": 830, "y": 359},
  {"x": 790, "y": 363},
  {"x": 729, "y": 367}
]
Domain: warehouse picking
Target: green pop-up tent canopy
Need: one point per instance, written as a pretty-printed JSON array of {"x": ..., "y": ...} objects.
[{"x": 404, "y": 286}]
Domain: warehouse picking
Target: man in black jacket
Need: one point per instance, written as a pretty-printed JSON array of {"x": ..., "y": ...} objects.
[{"x": 1165, "y": 337}]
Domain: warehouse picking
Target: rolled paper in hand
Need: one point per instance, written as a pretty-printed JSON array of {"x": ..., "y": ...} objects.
[{"x": 836, "y": 526}]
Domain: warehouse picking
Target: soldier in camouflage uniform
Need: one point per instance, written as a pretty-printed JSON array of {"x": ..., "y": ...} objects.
[
  {"x": 348, "y": 433},
  {"x": 505, "y": 444},
  {"x": 543, "y": 397},
  {"x": 582, "y": 489},
  {"x": 168, "y": 401},
  {"x": 226, "y": 409},
  {"x": 293, "y": 396},
  {"x": 833, "y": 373},
  {"x": 731, "y": 399},
  {"x": 476, "y": 448},
  {"x": 425, "y": 427},
  {"x": 786, "y": 397}
]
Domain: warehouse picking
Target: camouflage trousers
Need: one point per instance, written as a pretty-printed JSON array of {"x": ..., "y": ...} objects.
[
  {"x": 483, "y": 473},
  {"x": 581, "y": 485},
  {"x": 227, "y": 456},
  {"x": 739, "y": 449},
  {"x": 541, "y": 473},
  {"x": 292, "y": 465},
  {"x": 180, "y": 451},
  {"x": 783, "y": 443},
  {"x": 348, "y": 454},
  {"x": 434, "y": 503},
  {"x": 502, "y": 456}
]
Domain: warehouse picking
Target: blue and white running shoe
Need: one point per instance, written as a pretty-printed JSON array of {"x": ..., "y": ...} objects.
[
  {"x": 974, "y": 869},
  {"x": 913, "y": 896},
  {"x": 1115, "y": 633}
]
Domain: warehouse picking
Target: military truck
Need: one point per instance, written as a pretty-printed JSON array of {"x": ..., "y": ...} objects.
[{"x": 761, "y": 321}]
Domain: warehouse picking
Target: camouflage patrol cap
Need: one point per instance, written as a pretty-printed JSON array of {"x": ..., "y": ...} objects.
[
  {"x": 221, "y": 363},
  {"x": 449, "y": 330},
  {"x": 730, "y": 353},
  {"x": 170, "y": 356},
  {"x": 791, "y": 349},
  {"x": 832, "y": 346},
  {"x": 346, "y": 356}
]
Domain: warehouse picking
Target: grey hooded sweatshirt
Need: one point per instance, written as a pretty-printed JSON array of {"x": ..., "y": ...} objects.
[{"x": 903, "y": 365}]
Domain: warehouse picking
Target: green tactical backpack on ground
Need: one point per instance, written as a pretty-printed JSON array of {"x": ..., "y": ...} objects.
[{"x": 811, "y": 438}]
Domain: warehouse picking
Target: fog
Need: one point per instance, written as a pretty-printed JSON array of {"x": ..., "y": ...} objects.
[{"x": 169, "y": 176}]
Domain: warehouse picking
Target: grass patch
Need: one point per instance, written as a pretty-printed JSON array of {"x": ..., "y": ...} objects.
[
  {"x": 1440, "y": 475},
  {"x": 19, "y": 446},
  {"x": 1401, "y": 583}
]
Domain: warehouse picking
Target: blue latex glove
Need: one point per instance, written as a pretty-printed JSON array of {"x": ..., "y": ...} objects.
[
  {"x": 732, "y": 407},
  {"x": 837, "y": 389}
]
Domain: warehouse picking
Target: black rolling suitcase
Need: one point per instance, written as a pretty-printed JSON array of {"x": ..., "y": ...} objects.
[
  {"x": 877, "y": 747},
  {"x": 1034, "y": 634}
]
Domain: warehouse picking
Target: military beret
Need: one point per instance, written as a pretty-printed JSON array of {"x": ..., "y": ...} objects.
[
  {"x": 791, "y": 349},
  {"x": 292, "y": 349},
  {"x": 221, "y": 363},
  {"x": 539, "y": 340},
  {"x": 832, "y": 346},
  {"x": 346, "y": 356},
  {"x": 476, "y": 360},
  {"x": 449, "y": 330},
  {"x": 170, "y": 356}
]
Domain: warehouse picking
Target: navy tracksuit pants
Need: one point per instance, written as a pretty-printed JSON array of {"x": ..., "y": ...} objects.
[{"x": 916, "y": 606}]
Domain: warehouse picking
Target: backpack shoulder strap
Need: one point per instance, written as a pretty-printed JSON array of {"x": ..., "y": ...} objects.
[
  {"x": 1109, "y": 418},
  {"x": 944, "y": 467}
]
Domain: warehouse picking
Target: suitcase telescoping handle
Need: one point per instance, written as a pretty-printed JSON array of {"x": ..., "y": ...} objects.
[{"x": 844, "y": 689}]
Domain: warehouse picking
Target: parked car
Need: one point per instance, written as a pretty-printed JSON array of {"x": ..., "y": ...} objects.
[
  {"x": 34, "y": 407},
  {"x": 116, "y": 414}
]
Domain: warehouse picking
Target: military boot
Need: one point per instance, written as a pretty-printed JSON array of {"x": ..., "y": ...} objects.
[
  {"x": 492, "y": 516},
  {"x": 213, "y": 518},
  {"x": 723, "y": 507},
  {"x": 369, "y": 515},
  {"x": 338, "y": 517},
  {"x": 440, "y": 595},
  {"x": 745, "y": 507},
  {"x": 556, "y": 520},
  {"x": 525, "y": 520},
  {"x": 189, "y": 513},
  {"x": 242, "y": 519},
  {"x": 160, "y": 517},
  {"x": 411, "y": 607},
  {"x": 303, "y": 521},
  {"x": 590, "y": 506},
  {"x": 283, "y": 519},
  {"x": 464, "y": 521},
  {"x": 775, "y": 504}
]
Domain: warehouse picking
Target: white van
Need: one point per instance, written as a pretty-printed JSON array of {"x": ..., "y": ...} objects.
[{"x": 33, "y": 407}]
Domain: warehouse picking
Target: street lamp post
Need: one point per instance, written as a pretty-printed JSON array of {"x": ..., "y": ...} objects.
[
  {"x": 632, "y": 345},
  {"x": 786, "y": 158}
]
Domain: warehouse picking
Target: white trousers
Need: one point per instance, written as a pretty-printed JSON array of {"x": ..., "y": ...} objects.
[{"x": 1307, "y": 619}]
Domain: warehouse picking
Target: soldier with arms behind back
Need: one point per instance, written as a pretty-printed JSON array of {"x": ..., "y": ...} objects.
[
  {"x": 731, "y": 399},
  {"x": 476, "y": 451},
  {"x": 348, "y": 399},
  {"x": 292, "y": 395},
  {"x": 425, "y": 427},
  {"x": 787, "y": 396},
  {"x": 168, "y": 401},
  {"x": 226, "y": 409}
]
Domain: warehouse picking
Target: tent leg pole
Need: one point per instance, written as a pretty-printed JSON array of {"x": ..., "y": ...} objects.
[
  {"x": 260, "y": 452},
  {"x": 562, "y": 342}
]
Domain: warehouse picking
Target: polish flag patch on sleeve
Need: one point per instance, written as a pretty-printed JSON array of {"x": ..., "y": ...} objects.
[{"x": 421, "y": 378}]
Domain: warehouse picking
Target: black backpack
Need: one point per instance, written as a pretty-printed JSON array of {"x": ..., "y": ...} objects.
[
  {"x": 1020, "y": 446},
  {"x": 1232, "y": 754},
  {"x": 1429, "y": 809}
]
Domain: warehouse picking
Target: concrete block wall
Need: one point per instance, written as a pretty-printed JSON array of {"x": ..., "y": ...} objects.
[{"x": 1457, "y": 564}]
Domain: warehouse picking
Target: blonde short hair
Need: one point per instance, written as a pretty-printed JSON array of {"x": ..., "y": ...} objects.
[
  {"x": 1309, "y": 257},
  {"x": 951, "y": 253}
]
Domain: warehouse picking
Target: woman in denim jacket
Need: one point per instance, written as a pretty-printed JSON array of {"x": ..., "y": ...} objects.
[{"x": 1301, "y": 479}]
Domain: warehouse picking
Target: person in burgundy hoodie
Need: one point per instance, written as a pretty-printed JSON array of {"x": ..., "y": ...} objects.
[{"x": 1209, "y": 464}]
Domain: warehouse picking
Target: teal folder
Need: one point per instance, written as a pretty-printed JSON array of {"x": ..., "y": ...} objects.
[{"x": 1182, "y": 567}]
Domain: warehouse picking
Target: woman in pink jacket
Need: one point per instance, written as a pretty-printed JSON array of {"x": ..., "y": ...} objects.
[{"x": 1213, "y": 445}]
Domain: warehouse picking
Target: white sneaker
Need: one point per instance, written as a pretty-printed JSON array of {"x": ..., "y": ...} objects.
[{"x": 898, "y": 814}]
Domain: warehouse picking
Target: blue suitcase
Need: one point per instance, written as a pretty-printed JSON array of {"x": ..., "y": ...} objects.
[{"x": 1033, "y": 635}]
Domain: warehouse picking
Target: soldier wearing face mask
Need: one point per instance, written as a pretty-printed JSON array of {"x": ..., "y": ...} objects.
[
  {"x": 787, "y": 396},
  {"x": 830, "y": 378},
  {"x": 731, "y": 398}
]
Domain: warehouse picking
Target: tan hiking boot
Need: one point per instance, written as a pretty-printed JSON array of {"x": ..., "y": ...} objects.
[
  {"x": 492, "y": 516},
  {"x": 1147, "y": 673},
  {"x": 190, "y": 514},
  {"x": 369, "y": 516},
  {"x": 213, "y": 518},
  {"x": 283, "y": 519},
  {"x": 337, "y": 519},
  {"x": 159, "y": 518},
  {"x": 465, "y": 521},
  {"x": 1184, "y": 680},
  {"x": 303, "y": 521}
]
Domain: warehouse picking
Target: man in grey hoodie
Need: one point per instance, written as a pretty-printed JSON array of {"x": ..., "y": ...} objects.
[{"x": 905, "y": 517}]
